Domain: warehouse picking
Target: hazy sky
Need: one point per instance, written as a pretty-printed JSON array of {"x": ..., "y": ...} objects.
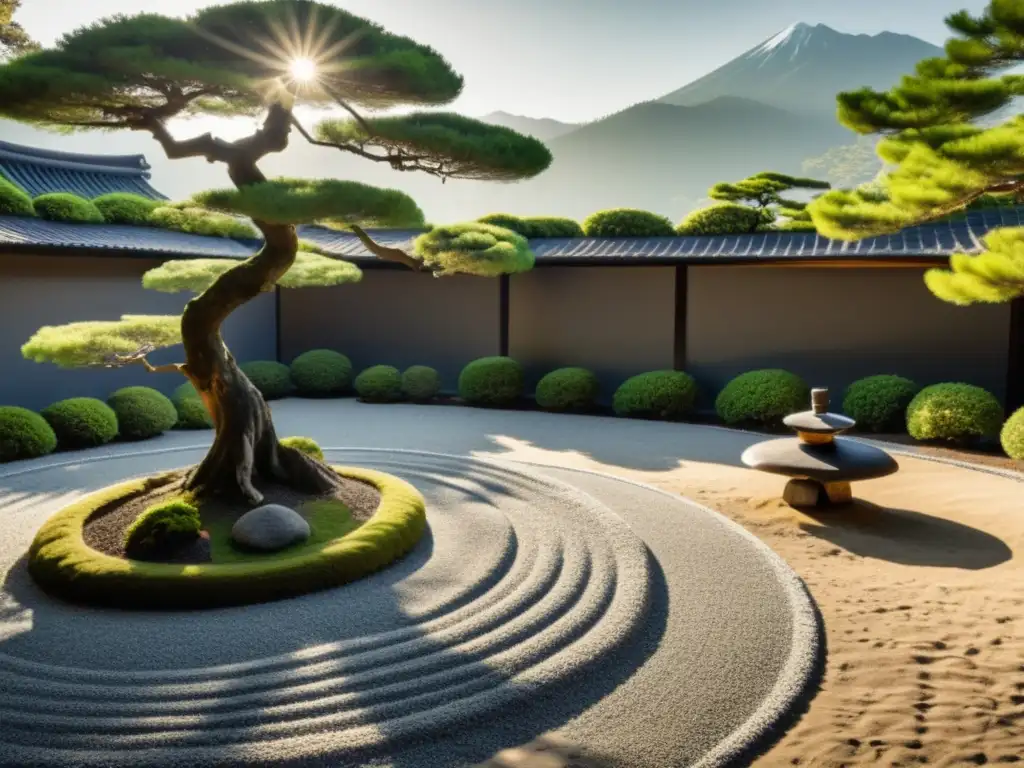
[{"x": 573, "y": 60}]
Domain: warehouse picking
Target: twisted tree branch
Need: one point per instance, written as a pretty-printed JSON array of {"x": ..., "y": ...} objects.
[{"x": 386, "y": 253}]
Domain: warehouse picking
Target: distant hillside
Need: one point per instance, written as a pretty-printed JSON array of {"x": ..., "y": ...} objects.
[
  {"x": 543, "y": 128},
  {"x": 803, "y": 68}
]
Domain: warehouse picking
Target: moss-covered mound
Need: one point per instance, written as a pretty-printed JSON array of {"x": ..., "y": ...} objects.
[
  {"x": 14, "y": 201},
  {"x": 954, "y": 412},
  {"x": 534, "y": 226},
  {"x": 879, "y": 403},
  {"x": 722, "y": 219},
  {"x": 81, "y": 422},
  {"x": 63, "y": 564},
  {"x": 656, "y": 395},
  {"x": 321, "y": 373},
  {"x": 271, "y": 378},
  {"x": 24, "y": 434},
  {"x": 567, "y": 389},
  {"x": 125, "y": 208},
  {"x": 162, "y": 528},
  {"x": 1012, "y": 435},
  {"x": 307, "y": 445},
  {"x": 420, "y": 383},
  {"x": 762, "y": 398},
  {"x": 379, "y": 384},
  {"x": 62, "y": 206},
  {"x": 142, "y": 412},
  {"x": 492, "y": 381}
]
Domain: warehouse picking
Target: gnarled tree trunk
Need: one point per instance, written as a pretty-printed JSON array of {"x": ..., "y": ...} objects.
[{"x": 246, "y": 445}]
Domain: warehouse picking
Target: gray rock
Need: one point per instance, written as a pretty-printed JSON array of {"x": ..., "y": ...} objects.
[
  {"x": 840, "y": 460},
  {"x": 270, "y": 528}
]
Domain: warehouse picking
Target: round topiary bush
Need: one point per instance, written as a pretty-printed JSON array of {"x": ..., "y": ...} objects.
[
  {"x": 379, "y": 384},
  {"x": 553, "y": 226},
  {"x": 954, "y": 412},
  {"x": 162, "y": 528},
  {"x": 656, "y": 395},
  {"x": 1012, "y": 435},
  {"x": 14, "y": 201},
  {"x": 62, "y": 206},
  {"x": 307, "y": 445},
  {"x": 879, "y": 403},
  {"x": 24, "y": 434},
  {"x": 272, "y": 379},
  {"x": 81, "y": 422},
  {"x": 321, "y": 373},
  {"x": 492, "y": 381},
  {"x": 125, "y": 208},
  {"x": 192, "y": 414},
  {"x": 142, "y": 412},
  {"x": 567, "y": 389},
  {"x": 627, "y": 222},
  {"x": 420, "y": 383},
  {"x": 763, "y": 397},
  {"x": 722, "y": 219}
]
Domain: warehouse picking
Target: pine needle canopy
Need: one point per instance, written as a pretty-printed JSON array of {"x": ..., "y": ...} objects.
[
  {"x": 993, "y": 276},
  {"x": 451, "y": 145},
  {"x": 225, "y": 59},
  {"x": 474, "y": 249},
  {"x": 309, "y": 270},
  {"x": 303, "y": 201},
  {"x": 93, "y": 342}
]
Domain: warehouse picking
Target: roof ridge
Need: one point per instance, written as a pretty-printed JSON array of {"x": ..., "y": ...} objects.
[{"x": 39, "y": 154}]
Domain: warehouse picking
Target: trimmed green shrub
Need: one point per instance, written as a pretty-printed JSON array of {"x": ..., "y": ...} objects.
[
  {"x": 184, "y": 391},
  {"x": 762, "y": 397},
  {"x": 491, "y": 381},
  {"x": 307, "y": 445},
  {"x": 567, "y": 389},
  {"x": 627, "y": 222},
  {"x": 379, "y": 384},
  {"x": 142, "y": 412},
  {"x": 420, "y": 383},
  {"x": 126, "y": 208},
  {"x": 81, "y": 422},
  {"x": 192, "y": 414},
  {"x": 954, "y": 412},
  {"x": 321, "y": 373},
  {"x": 534, "y": 226},
  {"x": 656, "y": 395},
  {"x": 24, "y": 434},
  {"x": 722, "y": 219},
  {"x": 63, "y": 206},
  {"x": 879, "y": 403},
  {"x": 14, "y": 201},
  {"x": 162, "y": 528},
  {"x": 1012, "y": 435},
  {"x": 271, "y": 378}
]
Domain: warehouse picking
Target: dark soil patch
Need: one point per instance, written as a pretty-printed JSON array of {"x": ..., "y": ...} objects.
[{"x": 105, "y": 530}]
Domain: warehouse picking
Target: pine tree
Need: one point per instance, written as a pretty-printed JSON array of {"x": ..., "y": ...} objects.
[
  {"x": 937, "y": 130},
  {"x": 763, "y": 192},
  {"x": 264, "y": 57},
  {"x": 13, "y": 39}
]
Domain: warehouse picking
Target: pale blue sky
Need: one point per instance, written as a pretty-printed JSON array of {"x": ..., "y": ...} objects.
[{"x": 573, "y": 60}]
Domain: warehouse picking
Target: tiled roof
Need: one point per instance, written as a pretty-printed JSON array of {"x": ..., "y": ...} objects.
[
  {"x": 39, "y": 171},
  {"x": 932, "y": 241},
  {"x": 28, "y": 233}
]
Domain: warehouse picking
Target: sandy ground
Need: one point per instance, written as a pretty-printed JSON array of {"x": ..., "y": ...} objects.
[{"x": 921, "y": 588}]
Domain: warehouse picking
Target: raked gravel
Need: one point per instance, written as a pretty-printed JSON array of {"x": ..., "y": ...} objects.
[{"x": 533, "y": 604}]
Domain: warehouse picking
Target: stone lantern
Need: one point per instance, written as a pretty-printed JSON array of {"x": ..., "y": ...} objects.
[{"x": 821, "y": 465}]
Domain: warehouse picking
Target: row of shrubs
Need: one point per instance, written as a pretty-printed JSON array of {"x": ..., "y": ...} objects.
[
  {"x": 719, "y": 219},
  {"x": 953, "y": 412},
  {"x": 121, "y": 208}
]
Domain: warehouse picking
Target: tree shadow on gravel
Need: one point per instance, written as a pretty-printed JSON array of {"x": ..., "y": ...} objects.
[{"x": 124, "y": 640}]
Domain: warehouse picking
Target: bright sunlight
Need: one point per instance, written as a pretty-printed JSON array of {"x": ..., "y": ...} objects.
[{"x": 303, "y": 70}]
